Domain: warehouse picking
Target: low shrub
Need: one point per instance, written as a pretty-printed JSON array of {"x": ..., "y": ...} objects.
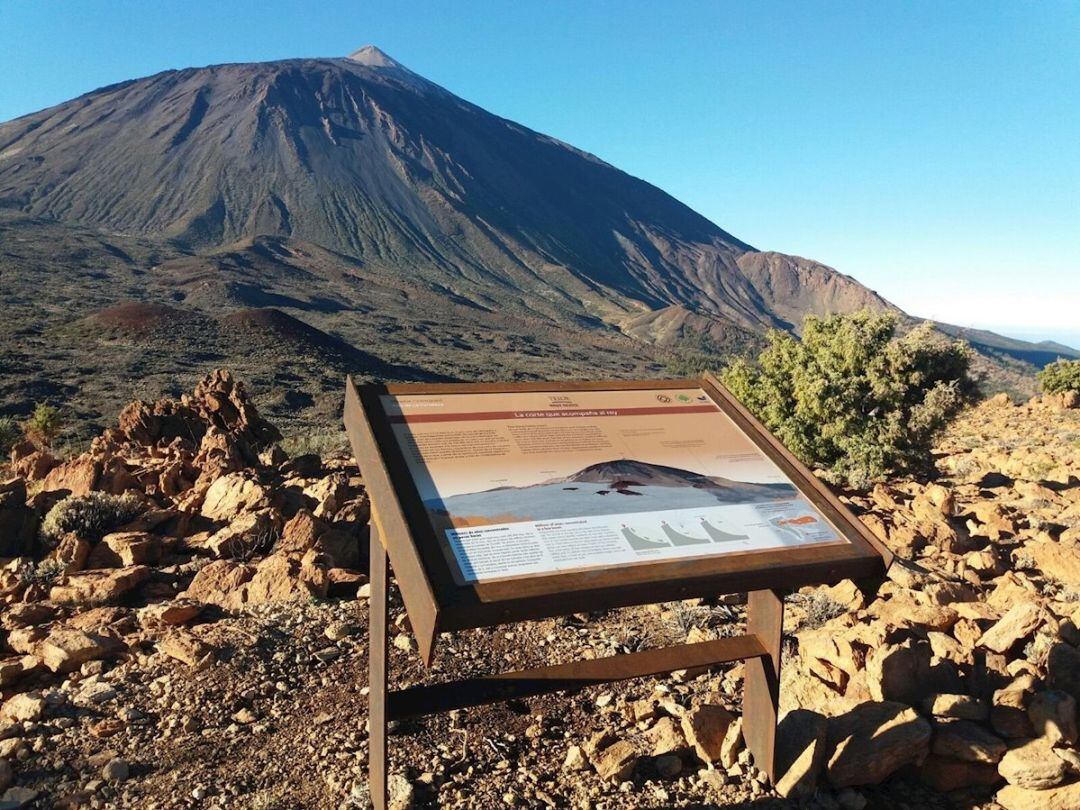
[
  {"x": 1060, "y": 376},
  {"x": 10, "y": 433},
  {"x": 852, "y": 398},
  {"x": 42, "y": 572},
  {"x": 90, "y": 516},
  {"x": 44, "y": 424}
]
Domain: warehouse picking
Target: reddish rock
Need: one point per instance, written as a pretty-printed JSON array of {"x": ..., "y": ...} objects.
[
  {"x": 169, "y": 614},
  {"x": 186, "y": 647},
  {"x": 77, "y": 477},
  {"x": 72, "y": 552},
  {"x": 946, "y": 775},
  {"x": 98, "y": 587},
  {"x": 219, "y": 583},
  {"x": 705, "y": 728},
  {"x": 967, "y": 741},
  {"x": 65, "y": 650},
  {"x": 873, "y": 741},
  {"x": 31, "y": 462},
  {"x": 899, "y": 672},
  {"x": 1033, "y": 764},
  {"x": 281, "y": 578},
  {"x": 1017, "y": 624},
  {"x": 125, "y": 548},
  {"x": 18, "y": 522},
  {"x": 234, "y": 494},
  {"x": 616, "y": 762}
]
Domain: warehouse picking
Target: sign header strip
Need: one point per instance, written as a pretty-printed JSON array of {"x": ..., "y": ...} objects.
[{"x": 480, "y": 416}]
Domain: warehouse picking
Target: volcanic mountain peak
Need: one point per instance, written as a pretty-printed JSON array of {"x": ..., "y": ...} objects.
[{"x": 373, "y": 57}]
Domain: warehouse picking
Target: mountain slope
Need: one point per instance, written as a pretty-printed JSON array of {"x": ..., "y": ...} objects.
[{"x": 362, "y": 156}]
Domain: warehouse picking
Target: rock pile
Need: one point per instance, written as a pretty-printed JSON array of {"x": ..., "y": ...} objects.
[
  {"x": 165, "y": 642},
  {"x": 962, "y": 668},
  {"x": 185, "y": 510}
]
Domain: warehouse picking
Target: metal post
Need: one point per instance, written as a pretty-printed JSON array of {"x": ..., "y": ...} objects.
[
  {"x": 377, "y": 664},
  {"x": 761, "y": 690}
]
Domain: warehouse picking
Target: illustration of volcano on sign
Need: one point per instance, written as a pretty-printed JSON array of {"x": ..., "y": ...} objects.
[{"x": 614, "y": 487}]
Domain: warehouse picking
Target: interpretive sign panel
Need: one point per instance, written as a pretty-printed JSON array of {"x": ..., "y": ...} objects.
[
  {"x": 503, "y": 502},
  {"x": 525, "y": 483}
]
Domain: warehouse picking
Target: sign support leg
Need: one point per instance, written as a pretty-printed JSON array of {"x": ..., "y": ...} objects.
[
  {"x": 377, "y": 664},
  {"x": 761, "y": 691}
]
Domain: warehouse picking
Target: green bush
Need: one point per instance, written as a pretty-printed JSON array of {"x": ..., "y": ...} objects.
[
  {"x": 44, "y": 423},
  {"x": 852, "y": 398},
  {"x": 90, "y": 516},
  {"x": 10, "y": 432},
  {"x": 1060, "y": 376}
]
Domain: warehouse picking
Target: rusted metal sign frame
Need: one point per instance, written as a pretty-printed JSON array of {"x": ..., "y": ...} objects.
[{"x": 435, "y": 603}]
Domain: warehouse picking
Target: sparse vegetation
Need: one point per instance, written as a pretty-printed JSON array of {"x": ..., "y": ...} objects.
[
  {"x": 42, "y": 572},
  {"x": 321, "y": 443},
  {"x": 9, "y": 434},
  {"x": 44, "y": 424},
  {"x": 90, "y": 516},
  {"x": 1060, "y": 376},
  {"x": 854, "y": 399},
  {"x": 819, "y": 609}
]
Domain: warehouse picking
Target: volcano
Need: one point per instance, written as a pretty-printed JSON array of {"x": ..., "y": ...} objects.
[
  {"x": 364, "y": 157},
  {"x": 369, "y": 203}
]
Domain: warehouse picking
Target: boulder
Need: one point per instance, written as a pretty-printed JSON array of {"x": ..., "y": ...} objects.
[
  {"x": 280, "y": 578},
  {"x": 18, "y": 522},
  {"x": 27, "y": 614},
  {"x": 705, "y": 728},
  {"x": 1017, "y": 624},
  {"x": 186, "y": 647},
  {"x": 1063, "y": 669},
  {"x": 899, "y": 672},
  {"x": 1015, "y": 797},
  {"x": 664, "y": 738},
  {"x": 1058, "y": 561},
  {"x": 958, "y": 707},
  {"x": 21, "y": 708},
  {"x": 329, "y": 494},
  {"x": 1053, "y": 715},
  {"x": 170, "y": 614},
  {"x": 71, "y": 552},
  {"x": 801, "y": 737},
  {"x": 247, "y": 534},
  {"x": 64, "y": 650},
  {"x": 616, "y": 762},
  {"x": 873, "y": 741},
  {"x": 98, "y": 587},
  {"x": 1008, "y": 712},
  {"x": 13, "y": 670},
  {"x": 305, "y": 532},
  {"x": 30, "y": 462},
  {"x": 945, "y": 775},
  {"x": 967, "y": 741},
  {"x": 232, "y": 495},
  {"x": 1033, "y": 764},
  {"x": 125, "y": 548},
  {"x": 77, "y": 477},
  {"x": 219, "y": 583}
]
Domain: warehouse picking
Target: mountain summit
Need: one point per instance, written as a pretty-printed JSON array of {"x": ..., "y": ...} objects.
[
  {"x": 363, "y": 157},
  {"x": 371, "y": 56}
]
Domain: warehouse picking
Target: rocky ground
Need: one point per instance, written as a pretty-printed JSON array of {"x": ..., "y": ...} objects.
[{"x": 201, "y": 642}]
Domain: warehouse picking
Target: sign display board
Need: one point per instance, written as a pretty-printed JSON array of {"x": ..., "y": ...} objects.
[
  {"x": 503, "y": 502},
  {"x": 527, "y": 483}
]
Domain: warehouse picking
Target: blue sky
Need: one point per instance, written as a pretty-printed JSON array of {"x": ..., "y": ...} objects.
[{"x": 930, "y": 150}]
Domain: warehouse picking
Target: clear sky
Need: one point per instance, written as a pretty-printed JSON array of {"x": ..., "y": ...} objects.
[{"x": 931, "y": 150}]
